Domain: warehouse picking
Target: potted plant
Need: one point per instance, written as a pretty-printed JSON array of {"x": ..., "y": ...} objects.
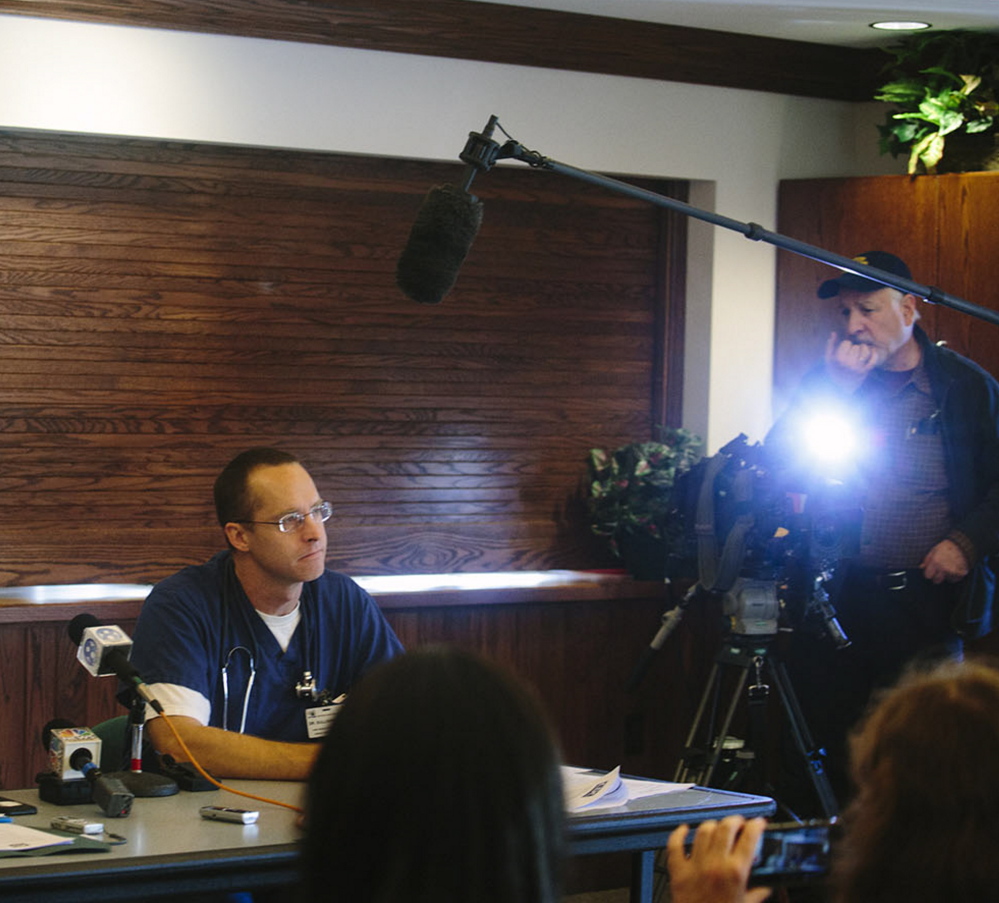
[
  {"x": 943, "y": 83},
  {"x": 630, "y": 497}
]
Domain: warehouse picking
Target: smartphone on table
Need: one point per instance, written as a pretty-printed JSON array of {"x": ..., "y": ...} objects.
[{"x": 15, "y": 807}]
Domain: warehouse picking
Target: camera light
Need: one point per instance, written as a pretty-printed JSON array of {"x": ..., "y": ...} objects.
[{"x": 829, "y": 438}]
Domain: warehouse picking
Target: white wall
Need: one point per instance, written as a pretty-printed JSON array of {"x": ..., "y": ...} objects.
[{"x": 735, "y": 145}]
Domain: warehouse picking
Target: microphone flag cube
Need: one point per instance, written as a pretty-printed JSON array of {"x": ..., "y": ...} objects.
[
  {"x": 97, "y": 643},
  {"x": 68, "y": 740}
]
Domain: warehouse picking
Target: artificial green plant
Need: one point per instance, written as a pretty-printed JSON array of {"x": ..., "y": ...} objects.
[{"x": 942, "y": 83}]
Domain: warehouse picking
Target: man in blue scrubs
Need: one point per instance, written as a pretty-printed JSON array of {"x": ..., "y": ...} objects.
[{"x": 247, "y": 652}]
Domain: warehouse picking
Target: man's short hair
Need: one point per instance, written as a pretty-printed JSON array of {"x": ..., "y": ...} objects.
[{"x": 233, "y": 502}]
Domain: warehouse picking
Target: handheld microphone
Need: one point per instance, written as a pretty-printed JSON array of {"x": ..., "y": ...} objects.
[
  {"x": 114, "y": 798},
  {"x": 104, "y": 650},
  {"x": 101, "y": 645},
  {"x": 445, "y": 227},
  {"x": 72, "y": 754},
  {"x": 62, "y": 738}
]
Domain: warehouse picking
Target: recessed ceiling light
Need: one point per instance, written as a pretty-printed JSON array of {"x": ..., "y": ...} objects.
[{"x": 900, "y": 26}]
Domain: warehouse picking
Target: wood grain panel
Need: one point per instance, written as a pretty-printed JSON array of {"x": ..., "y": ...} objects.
[
  {"x": 579, "y": 656},
  {"x": 968, "y": 262},
  {"x": 498, "y": 33},
  {"x": 13, "y": 697},
  {"x": 166, "y": 305}
]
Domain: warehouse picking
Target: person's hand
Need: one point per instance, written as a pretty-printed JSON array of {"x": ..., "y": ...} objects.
[
  {"x": 848, "y": 363},
  {"x": 945, "y": 561},
  {"x": 717, "y": 869}
]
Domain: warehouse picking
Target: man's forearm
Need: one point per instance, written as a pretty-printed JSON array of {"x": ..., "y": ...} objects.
[{"x": 227, "y": 754}]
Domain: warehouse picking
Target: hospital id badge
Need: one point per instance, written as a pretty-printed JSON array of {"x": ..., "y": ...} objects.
[{"x": 319, "y": 718}]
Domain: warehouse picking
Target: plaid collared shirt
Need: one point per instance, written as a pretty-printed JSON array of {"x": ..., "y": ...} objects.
[{"x": 906, "y": 511}]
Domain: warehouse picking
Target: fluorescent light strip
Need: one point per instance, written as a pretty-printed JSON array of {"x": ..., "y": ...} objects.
[{"x": 900, "y": 26}]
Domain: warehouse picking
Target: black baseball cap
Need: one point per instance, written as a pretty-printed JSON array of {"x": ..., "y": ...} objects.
[{"x": 880, "y": 260}]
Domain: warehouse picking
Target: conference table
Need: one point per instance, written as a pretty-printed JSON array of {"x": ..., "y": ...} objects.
[{"x": 169, "y": 850}]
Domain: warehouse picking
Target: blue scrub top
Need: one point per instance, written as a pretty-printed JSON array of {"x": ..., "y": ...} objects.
[{"x": 191, "y": 625}]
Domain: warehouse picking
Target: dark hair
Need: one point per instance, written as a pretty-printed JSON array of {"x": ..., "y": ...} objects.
[
  {"x": 232, "y": 495},
  {"x": 438, "y": 782},
  {"x": 925, "y": 822}
]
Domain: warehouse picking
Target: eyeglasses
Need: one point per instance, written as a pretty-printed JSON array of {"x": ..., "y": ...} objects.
[{"x": 289, "y": 523}]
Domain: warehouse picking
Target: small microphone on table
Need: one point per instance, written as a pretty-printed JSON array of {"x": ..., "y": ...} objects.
[{"x": 72, "y": 752}]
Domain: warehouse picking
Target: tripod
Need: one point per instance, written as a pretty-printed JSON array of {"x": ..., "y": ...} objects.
[{"x": 710, "y": 763}]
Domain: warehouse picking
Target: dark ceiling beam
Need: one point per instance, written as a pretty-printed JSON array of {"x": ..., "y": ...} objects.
[{"x": 497, "y": 33}]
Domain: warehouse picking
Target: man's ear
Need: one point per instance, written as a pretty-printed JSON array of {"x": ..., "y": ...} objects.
[
  {"x": 236, "y": 534},
  {"x": 910, "y": 310}
]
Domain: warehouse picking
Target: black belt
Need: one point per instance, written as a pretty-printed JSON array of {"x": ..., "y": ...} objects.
[{"x": 888, "y": 579}]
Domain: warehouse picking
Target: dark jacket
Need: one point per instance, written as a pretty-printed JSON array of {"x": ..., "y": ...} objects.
[{"x": 968, "y": 399}]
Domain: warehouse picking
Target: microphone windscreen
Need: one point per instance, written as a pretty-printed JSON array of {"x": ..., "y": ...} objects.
[
  {"x": 438, "y": 243},
  {"x": 79, "y": 624}
]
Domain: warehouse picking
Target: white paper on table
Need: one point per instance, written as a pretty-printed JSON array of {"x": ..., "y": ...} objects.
[
  {"x": 15, "y": 838},
  {"x": 584, "y": 789},
  {"x": 589, "y": 791}
]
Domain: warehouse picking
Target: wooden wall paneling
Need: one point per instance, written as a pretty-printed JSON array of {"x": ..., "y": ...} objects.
[
  {"x": 579, "y": 657},
  {"x": 13, "y": 705},
  {"x": 968, "y": 262},
  {"x": 519, "y": 36},
  {"x": 53, "y": 686},
  {"x": 670, "y": 317},
  {"x": 166, "y": 305}
]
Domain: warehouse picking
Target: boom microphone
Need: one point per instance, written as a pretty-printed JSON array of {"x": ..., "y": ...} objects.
[
  {"x": 104, "y": 650},
  {"x": 446, "y": 226},
  {"x": 439, "y": 241}
]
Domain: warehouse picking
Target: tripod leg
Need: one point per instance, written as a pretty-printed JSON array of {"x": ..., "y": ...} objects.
[
  {"x": 686, "y": 773},
  {"x": 812, "y": 757},
  {"x": 684, "y": 770},
  {"x": 717, "y": 743}
]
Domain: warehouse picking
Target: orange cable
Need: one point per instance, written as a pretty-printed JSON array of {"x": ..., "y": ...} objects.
[{"x": 211, "y": 780}]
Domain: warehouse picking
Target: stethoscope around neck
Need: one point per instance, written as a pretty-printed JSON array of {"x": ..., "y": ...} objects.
[
  {"x": 246, "y": 694},
  {"x": 304, "y": 689}
]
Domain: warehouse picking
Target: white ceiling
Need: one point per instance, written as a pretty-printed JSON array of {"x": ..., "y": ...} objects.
[{"x": 846, "y": 22}]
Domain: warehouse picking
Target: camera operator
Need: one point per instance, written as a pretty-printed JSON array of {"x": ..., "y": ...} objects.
[{"x": 926, "y": 490}]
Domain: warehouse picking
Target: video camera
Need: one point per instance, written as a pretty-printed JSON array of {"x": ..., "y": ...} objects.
[
  {"x": 748, "y": 538},
  {"x": 745, "y": 536}
]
